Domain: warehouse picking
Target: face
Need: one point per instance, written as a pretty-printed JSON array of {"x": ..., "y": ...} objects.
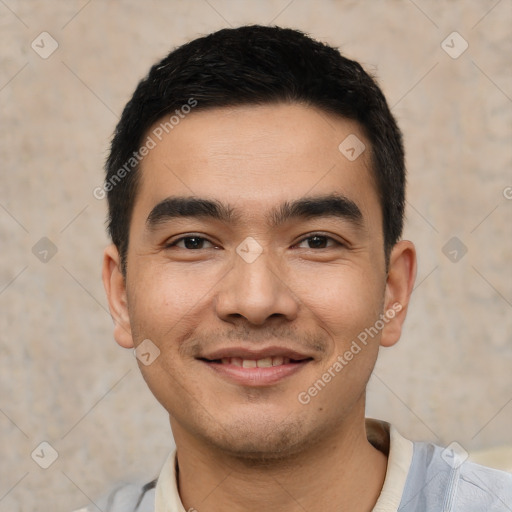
[{"x": 256, "y": 261}]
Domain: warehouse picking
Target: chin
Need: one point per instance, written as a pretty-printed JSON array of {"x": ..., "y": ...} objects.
[{"x": 261, "y": 442}]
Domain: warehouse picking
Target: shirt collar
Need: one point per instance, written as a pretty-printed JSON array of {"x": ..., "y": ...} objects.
[{"x": 399, "y": 450}]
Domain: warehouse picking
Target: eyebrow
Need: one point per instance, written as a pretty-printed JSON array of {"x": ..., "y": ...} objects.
[{"x": 332, "y": 205}]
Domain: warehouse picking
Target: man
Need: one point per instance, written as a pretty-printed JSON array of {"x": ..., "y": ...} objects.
[{"x": 256, "y": 197}]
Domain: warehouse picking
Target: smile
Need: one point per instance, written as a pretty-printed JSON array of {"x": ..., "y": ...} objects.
[
  {"x": 265, "y": 371},
  {"x": 266, "y": 362}
]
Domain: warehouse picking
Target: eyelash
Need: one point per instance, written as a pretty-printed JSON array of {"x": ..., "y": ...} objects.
[{"x": 312, "y": 235}]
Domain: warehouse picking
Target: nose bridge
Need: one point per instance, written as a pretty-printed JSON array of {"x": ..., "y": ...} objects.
[
  {"x": 259, "y": 276},
  {"x": 255, "y": 288}
]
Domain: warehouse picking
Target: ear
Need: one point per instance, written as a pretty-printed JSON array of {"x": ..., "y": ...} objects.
[
  {"x": 399, "y": 286},
  {"x": 115, "y": 287}
]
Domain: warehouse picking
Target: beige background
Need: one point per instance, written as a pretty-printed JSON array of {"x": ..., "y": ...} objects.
[{"x": 63, "y": 379}]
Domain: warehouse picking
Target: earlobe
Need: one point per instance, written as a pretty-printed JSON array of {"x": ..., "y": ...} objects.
[
  {"x": 115, "y": 288},
  {"x": 399, "y": 286}
]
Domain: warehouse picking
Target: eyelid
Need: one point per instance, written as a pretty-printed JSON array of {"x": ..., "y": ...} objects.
[
  {"x": 302, "y": 239},
  {"x": 168, "y": 244},
  {"x": 321, "y": 234}
]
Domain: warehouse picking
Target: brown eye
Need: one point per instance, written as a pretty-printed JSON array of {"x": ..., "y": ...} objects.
[
  {"x": 190, "y": 242},
  {"x": 318, "y": 242}
]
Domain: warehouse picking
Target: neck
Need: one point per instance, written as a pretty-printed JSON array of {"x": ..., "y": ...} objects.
[{"x": 341, "y": 472}]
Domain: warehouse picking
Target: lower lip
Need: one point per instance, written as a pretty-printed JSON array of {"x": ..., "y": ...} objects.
[{"x": 256, "y": 376}]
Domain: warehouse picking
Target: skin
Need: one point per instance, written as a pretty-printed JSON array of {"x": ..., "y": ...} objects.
[{"x": 243, "y": 447}]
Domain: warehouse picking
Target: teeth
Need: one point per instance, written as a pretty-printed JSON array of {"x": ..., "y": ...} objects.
[{"x": 264, "y": 363}]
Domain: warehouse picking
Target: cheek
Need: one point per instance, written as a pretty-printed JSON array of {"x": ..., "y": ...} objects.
[
  {"x": 343, "y": 299},
  {"x": 166, "y": 383},
  {"x": 164, "y": 298},
  {"x": 165, "y": 307}
]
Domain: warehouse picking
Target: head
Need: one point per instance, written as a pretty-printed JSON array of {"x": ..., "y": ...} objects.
[{"x": 256, "y": 197}]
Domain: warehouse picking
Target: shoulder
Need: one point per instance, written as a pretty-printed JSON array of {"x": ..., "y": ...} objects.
[
  {"x": 126, "y": 498},
  {"x": 443, "y": 479}
]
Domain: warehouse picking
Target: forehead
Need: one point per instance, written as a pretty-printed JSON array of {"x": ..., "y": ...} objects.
[{"x": 254, "y": 157}]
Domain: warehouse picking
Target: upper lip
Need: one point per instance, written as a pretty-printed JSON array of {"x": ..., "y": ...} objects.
[{"x": 260, "y": 353}]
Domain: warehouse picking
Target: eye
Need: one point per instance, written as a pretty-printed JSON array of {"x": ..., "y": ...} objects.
[
  {"x": 318, "y": 242},
  {"x": 190, "y": 242}
]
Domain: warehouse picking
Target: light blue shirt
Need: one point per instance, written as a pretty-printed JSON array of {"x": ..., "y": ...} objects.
[{"x": 433, "y": 485}]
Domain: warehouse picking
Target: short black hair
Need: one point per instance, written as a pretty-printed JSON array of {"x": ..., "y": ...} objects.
[{"x": 254, "y": 65}]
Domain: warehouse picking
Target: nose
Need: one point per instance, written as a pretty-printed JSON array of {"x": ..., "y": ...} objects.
[{"x": 256, "y": 291}]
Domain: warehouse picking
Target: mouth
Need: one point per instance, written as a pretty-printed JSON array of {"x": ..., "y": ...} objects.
[{"x": 254, "y": 370}]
